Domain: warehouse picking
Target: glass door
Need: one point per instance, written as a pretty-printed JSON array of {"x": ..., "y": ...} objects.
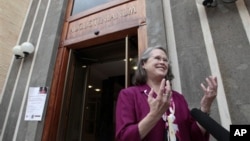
[{"x": 102, "y": 71}]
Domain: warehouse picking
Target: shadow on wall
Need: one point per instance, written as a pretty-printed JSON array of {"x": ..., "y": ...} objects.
[{"x": 213, "y": 3}]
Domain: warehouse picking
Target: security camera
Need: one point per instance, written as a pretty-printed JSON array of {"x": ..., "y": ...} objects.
[
  {"x": 27, "y": 48},
  {"x": 18, "y": 52},
  {"x": 97, "y": 32},
  {"x": 210, "y": 3}
]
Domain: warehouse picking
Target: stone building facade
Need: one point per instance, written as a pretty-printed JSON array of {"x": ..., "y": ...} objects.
[
  {"x": 200, "y": 41},
  {"x": 11, "y": 24}
]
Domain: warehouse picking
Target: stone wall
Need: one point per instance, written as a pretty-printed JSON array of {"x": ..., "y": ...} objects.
[
  {"x": 11, "y": 20},
  {"x": 42, "y": 28},
  {"x": 204, "y": 41}
]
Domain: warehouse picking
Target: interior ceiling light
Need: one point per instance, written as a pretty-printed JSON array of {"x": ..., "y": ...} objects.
[
  {"x": 97, "y": 90},
  {"x": 134, "y": 67}
]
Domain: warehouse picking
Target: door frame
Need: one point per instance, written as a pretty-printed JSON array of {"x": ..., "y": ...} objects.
[{"x": 54, "y": 105}]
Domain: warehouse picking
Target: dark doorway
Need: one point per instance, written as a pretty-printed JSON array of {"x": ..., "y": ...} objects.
[{"x": 95, "y": 77}]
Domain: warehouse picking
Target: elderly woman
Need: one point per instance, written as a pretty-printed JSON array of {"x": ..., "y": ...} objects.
[{"x": 151, "y": 111}]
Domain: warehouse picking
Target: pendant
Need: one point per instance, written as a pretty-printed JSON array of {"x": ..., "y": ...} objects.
[
  {"x": 164, "y": 117},
  {"x": 172, "y": 127},
  {"x": 171, "y": 130}
]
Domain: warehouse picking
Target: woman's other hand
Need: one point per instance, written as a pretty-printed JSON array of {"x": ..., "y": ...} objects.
[{"x": 210, "y": 93}]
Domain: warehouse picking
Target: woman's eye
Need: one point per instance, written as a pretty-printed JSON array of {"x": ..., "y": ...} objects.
[
  {"x": 165, "y": 60},
  {"x": 158, "y": 58}
]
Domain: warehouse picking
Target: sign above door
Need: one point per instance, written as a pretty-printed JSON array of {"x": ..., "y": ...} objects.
[{"x": 108, "y": 21}]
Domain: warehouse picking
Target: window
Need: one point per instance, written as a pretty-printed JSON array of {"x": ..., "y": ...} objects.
[{"x": 82, "y": 5}]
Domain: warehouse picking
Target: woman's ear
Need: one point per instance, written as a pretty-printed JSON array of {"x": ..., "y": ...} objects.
[
  {"x": 143, "y": 64},
  {"x": 143, "y": 67}
]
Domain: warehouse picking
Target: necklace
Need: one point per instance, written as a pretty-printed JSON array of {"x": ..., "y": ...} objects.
[
  {"x": 169, "y": 122},
  {"x": 172, "y": 127}
]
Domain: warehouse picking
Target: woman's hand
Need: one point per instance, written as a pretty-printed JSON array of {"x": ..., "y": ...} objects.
[
  {"x": 159, "y": 104},
  {"x": 210, "y": 93}
]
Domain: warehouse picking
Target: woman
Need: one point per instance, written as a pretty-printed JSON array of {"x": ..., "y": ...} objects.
[{"x": 152, "y": 111}]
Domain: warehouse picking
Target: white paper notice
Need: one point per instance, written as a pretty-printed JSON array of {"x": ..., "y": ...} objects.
[{"x": 35, "y": 103}]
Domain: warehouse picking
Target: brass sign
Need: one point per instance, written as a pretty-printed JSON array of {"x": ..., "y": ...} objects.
[
  {"x": 111, "y": 20},
  {"x": 92, "y": 23}
]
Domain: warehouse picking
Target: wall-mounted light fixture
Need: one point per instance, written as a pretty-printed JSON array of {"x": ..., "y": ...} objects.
[{"x": 23, "y": 50}]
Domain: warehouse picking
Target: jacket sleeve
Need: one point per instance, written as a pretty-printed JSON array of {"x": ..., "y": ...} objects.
[
  {"x": 196, "y": 133},
  {"x": 126, "y": 124},
  {"x": 188, "y": 125}
]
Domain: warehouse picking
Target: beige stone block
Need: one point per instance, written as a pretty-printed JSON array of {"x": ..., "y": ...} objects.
[{"x": 12, "y": 17}]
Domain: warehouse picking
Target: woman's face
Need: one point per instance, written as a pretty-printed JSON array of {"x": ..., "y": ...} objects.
[{"x": 157, "y": 64}]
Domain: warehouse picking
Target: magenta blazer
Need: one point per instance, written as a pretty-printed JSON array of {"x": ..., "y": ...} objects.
[{"x": 132, "y": 107}]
